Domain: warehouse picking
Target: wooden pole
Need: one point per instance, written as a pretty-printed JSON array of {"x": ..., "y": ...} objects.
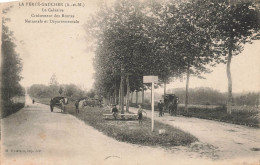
[
  {"x": 152, "y": 106},
  {"x": 127, "y": 93},
  {"x": 122, "y": 89}
]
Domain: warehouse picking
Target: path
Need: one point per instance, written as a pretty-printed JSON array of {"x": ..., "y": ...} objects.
[{"x": 232, "y": 141}]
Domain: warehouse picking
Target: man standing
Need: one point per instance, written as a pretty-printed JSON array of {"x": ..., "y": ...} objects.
[
  {"x": 51, "y": 105},
  {"x": 160, "y": 107},
  {"x": 171, "y": 108},
  {"x": 176, "y": 101}
]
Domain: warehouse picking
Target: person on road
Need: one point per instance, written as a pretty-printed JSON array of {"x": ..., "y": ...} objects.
[
  {"x": 77, "y": 106},
  {"x": 176, "y": 101},
  {"x": 114, "y": 111},
  {"x": 51, "y": 105},
  {"x": 140, "y": 114},
  {"x": 160, "y": 107},
  {"x": 171, "y": 108},
  {"x": 33, "y": 101}
]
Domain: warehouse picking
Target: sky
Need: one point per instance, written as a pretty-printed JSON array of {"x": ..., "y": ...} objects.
[{"x": 61, "y": 49}]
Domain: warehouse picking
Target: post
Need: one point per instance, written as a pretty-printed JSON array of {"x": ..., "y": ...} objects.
[
  {"x": 151, "y": 79},
  {"x": 122, "y": 89},
  {"x": 152, "y": 106},
  {"x": 127, "y": 93}
]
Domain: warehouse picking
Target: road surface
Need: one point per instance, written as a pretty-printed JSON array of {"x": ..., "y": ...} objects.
[
  {"x": 229, "y": 140},
  {"x": 35, "y": 136}
]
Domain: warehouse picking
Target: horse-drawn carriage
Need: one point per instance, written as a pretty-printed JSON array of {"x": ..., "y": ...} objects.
[
  {"x": 60, "y": 102},
  {"x": 171, "y": 103}
]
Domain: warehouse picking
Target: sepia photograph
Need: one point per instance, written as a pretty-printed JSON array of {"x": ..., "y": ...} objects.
[{"x": 130, "y": 82}]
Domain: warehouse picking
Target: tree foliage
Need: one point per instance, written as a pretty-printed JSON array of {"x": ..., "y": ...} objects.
[
  {"x": 167, "y": 39},
  {"x": 10, "y": 71},
  {"x": 11, "y": 67}
]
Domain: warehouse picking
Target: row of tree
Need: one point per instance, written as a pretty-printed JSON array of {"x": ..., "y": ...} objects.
[
  {"x": 10, "y": 69},
  {"x": 209, "y": 96},
  {"x": 169, "y": 39},
  {"x": 54, "y": 89},
  {"x": 68, "y": 90}
]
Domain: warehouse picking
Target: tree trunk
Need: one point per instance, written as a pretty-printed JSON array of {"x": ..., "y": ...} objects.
[
  {"x": 229, "y": 99},
  {"x": 127, "y": 94},
  {"x": 122, "y": 90},
  {"x": 132, "y": 94},
  {"x": 136, "y": 98},
  {"x": 119, "y": 95},
  {"x": 142, "y": 96},
  {"x": 187, "y": 88},
  {"x": 115, "y": 96},
  {"x": 164, "y": 92}
]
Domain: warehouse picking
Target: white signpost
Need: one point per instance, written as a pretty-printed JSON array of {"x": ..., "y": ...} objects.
[{"x": 151, "y": 79}]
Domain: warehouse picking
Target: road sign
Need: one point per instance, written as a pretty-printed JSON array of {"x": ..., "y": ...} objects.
[{"x": 150, "y": 79}]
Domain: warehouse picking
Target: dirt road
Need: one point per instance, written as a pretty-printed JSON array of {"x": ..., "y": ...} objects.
[
  {"x": 230, "y": 141},
  {"x": 35, "y": 136}
]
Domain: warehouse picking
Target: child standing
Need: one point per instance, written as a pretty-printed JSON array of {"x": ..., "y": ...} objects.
[{"x": 140, "y": 114}]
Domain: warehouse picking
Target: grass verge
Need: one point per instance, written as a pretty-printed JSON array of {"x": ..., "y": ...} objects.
[
  {"x": 248, "y": 116},
  {"x": 128, "y": 130}
]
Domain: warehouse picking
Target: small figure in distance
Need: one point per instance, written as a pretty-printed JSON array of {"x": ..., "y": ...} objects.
[
  {"x": 171, "y": 108},
  {"x": 176, "y": 101},
  {"x": 77, "y": 106},
  {"x": 114, "y": 111},
  {"x": 33, "y": 101},
  {"x": 140, "y": 114},
  {"x": 51, "y": 105},
  {"x": 160, "y": 107}
]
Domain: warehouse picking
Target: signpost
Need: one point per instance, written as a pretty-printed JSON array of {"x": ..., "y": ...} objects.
[{"x": 151, "y": 79}]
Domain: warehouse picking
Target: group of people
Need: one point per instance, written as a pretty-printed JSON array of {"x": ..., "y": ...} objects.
[
  {"x": 172, "y": 107},
  {"x": 139, "y": 113}
]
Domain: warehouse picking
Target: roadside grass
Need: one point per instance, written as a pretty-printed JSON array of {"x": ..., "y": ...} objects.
[
  {"x": 241, "y": 115},
  {"x": 129, "y": 130}
]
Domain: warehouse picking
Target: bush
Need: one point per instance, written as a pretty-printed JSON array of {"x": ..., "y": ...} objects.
[{"x": 10, "y": 109}]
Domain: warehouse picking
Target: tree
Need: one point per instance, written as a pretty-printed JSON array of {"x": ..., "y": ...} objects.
[
  {"x": 53, "y": 80},
  {"x": 121, "y": 39},
  {"x": 11, "y": 66},
  {"x": 70, "y": 90},
  {"x": 184, "y": 40},
  {"x": 234, "y": 26},
  {"x": 10, "y": 69},
  {"x": 60, "y": 90}
]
